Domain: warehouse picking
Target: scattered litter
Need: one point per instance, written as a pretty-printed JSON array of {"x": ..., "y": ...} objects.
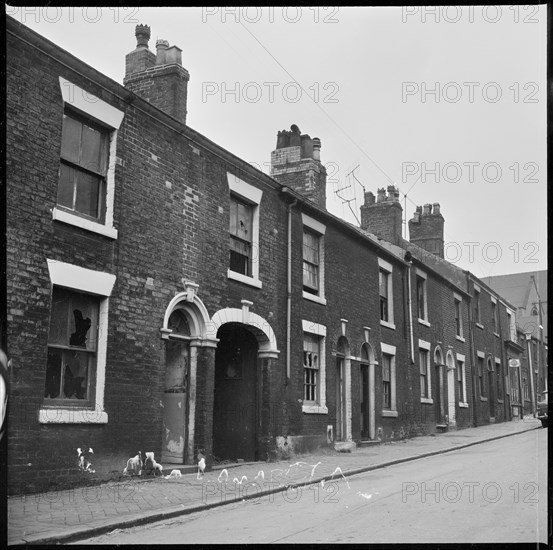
[{"x": 364, "y": 495}]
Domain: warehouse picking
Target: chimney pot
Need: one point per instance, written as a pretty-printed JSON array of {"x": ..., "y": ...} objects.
[
  {"x": 436, "y": 208},
  {"x": 369, "y": 198},
  {"x": 316, "y": 149},
  {"x": 381, "y": 195},
  {"x": 427, "y": 210},
  {"x": 142, "y": 33}
]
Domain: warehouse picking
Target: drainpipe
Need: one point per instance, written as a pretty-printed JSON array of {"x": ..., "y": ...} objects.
[
  {"x": 410, "y": 312},
  {"x": 531, "y": 372},
  {"x": 289, "y": 290},
  {"x": 472, "y": 355}
]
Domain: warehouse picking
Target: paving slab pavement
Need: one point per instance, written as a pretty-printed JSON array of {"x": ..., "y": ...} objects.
[{"x": 68, "y": 515}]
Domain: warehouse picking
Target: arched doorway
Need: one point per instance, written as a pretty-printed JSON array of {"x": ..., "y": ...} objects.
[
  {"x": 367, "y": 393},
  {"x": 441, "y": 405},
  {"x": 175, "y": 396},
  {"x": 343, "y": 391},
  {"x": 491, "y": 390},
  {"x": 183, "y": 333},
  {"x": 451, "y": 389},
  {"x": 235, "y": 397}
]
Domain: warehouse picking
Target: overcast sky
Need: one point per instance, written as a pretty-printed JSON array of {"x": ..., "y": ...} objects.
[{"x": 392, "y": 93}]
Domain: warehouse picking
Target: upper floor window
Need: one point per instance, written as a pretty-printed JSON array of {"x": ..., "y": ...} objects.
[
  {"x": 422, "y": 298},
  {"x": 313, "y": 254},
  {"x": 86, "y": 183},
  {"x": 311, "y": 246},
  {"x": 458, "y": 316},
  {"x": 241, "y": 216},
  {"x": 84, "y": 160},
  {"x": 244, "y": 245},
  {"x": 476, "y": 299},
  {"x": 386, "y": 296},
  {"x": 495, "y": 316}
]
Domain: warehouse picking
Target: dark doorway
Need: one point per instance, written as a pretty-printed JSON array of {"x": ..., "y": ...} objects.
[
  {"x": 235, "y": 403},
  {"x": 365, "y": 418},
  {"x": 491, "y": 397}
]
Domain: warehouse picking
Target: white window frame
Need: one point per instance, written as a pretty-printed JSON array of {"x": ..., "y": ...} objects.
[
  {"x": 422, "y": 275},
  {"x": 100, "y": 284},
  {"x": 463, "y": 398},
  {"x": 423, "y": 344},
  {"x": 320, "y": 331},
  {"x": 478, "y": 291},
  {"x": 458, "y": 298},
  {"x": 481, "y": 383},
  {"x": 389, "y": 268},
  {"x": 252, "y": 195},
  {"x": 512, "y": 325},
  {"x": 495, "y": 311},
  {"x": 319, "y": 228},
  {"x": 391, "y": 350},
  {"x": 92, "y": 106},
  {"x": 499, "y": 375}
]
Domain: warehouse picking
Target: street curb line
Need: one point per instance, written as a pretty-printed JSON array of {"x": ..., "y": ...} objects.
[{"x": 168, "y": 513}]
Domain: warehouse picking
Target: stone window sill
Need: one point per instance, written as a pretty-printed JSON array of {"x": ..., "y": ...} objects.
[
  {"x": 388, "y": 325},
  {"x": 390, "y": 414},
  {"x": 463, "y": 405},
  {"x": 480, "y": 325},
  {"x": 424, "y": 322},
  {"x": 460, "y": 338},
  {"x": 314, "y": 409},
  {"x": 71, "y": 219},
  {"x": 47, "y": 415},
  {"x": 251, "y": 281},
  {"x": 427, "y": 400},
  {"x": 313, "y": 298}
]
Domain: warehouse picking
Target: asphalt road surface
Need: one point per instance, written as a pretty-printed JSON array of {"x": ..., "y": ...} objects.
[{"x": 493, "y": 492}]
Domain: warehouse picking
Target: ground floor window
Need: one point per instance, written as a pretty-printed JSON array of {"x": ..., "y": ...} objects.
[
  {"x": 72, "y": 347},
  {"x": 310, "y": 367}
]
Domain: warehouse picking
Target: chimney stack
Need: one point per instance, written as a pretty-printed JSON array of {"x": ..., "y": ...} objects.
[
  {"x": 158, "y": 78},
  {"x": 383, "y": 217},
  {"x": 426, "y": 229},
  {"x": 296, "y": 163}
]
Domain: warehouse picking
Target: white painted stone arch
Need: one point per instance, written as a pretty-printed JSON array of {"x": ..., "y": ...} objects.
[
  {"x": 195, "y": 312},
  {"x": 259, "y": 327}
]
